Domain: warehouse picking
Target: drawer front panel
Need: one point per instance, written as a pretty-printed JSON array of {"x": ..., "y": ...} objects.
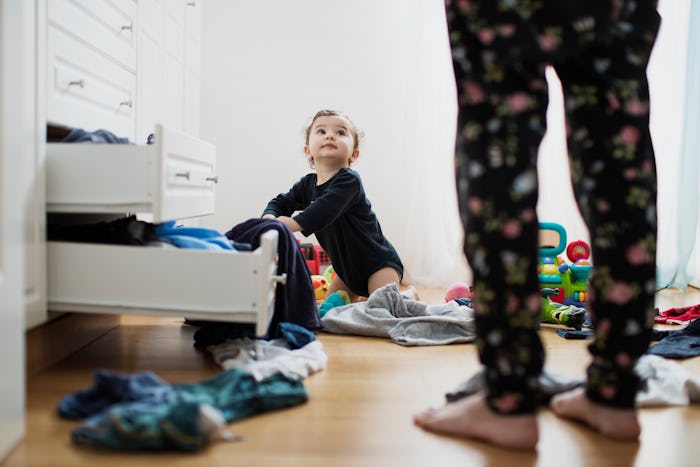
[
  {"x": 107, "y": 26},
  {"x": 188, "y": 177},
  {"x": 86, "y": 90},
  {"x": 171, "y": 179},
  {"x": 104, "y": 178},
  {"x": 161, "y": 281}
]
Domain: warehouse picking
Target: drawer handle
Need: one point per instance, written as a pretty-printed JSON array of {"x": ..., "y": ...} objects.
[
  {"x": 279, "y": 278},
  {"x": 191, "y": 3},
  {"x": 79, "y": 82},
  {"x": 214, "y": 179},
  {"x": 185, "y": 175},
  {"x": 128, "y": 27},
  {"x": 126, "y": 104}
]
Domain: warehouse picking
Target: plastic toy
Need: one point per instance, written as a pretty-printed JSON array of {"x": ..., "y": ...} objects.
[
  {"x": 337, "y": 298},
  {"x": 562, "y": 282},
  {"x": 320, "y": 285},
  {"x": 329, "y": 273},
  {"x": 315, "y": 257},
  {"x": 458, "y": 290},
  {"x": 567, "y": 315}
]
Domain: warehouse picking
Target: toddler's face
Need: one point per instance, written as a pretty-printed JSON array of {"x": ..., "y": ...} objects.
[{"x": 331, "y": 142}]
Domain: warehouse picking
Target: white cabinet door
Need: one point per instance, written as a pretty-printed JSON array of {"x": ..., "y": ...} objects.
[
  {"x": 173, "y": 63},
  {"x": 192, "y": 84},
  {"x": 150, "y": 68},
  {"x": 169, "y": 65},
  {"x": 17, "y": 142},
  {"x": 35, "y": 215}
]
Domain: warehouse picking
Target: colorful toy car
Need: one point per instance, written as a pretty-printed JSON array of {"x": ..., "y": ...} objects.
[
  {"x": 316, "y": 258},
  {"x": 560, "y": 281}
]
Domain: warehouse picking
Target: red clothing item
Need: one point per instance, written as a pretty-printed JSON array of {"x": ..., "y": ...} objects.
[{"x": 678, "y": 315}]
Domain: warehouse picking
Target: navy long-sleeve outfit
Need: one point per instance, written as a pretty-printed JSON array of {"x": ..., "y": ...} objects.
[
  {"x": 600, "y": 51},
  {"x": 340, "y": 215}
]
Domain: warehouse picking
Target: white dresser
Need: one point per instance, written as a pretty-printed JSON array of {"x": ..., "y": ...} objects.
[{"x": 132, "y": 68}]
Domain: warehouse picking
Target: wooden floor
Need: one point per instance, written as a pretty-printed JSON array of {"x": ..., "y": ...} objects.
[{"x": 359, "y": 409}]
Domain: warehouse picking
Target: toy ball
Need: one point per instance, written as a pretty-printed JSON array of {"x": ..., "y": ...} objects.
[
  {"x": 320, "y": 285},
  {"x": 458, "y": 290},
  {"x": 329, "y": 274}
]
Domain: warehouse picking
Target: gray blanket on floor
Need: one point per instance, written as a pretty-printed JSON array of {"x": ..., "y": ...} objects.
[
  {"x": 664, "y": 383},
  {"x": 405, "y": 321}
]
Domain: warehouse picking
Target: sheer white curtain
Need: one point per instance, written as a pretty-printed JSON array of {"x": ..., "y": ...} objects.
[
  {"x": 427, "y": 232},
  {"x": 673, "y": 74},
  {"x": 675, "y": 122},
  {"x": 426, "y": 228}
]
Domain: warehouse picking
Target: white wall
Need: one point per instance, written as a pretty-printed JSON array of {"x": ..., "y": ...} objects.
[{"x": 267, "y": 67}]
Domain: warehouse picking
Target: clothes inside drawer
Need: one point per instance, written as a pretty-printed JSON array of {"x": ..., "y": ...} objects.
[
  {"x": 207, "y": 285},
  {"x": 174, "y": 178}
]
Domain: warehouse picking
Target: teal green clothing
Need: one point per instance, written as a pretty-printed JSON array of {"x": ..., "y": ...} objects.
[{"x": 169, "y": 422}]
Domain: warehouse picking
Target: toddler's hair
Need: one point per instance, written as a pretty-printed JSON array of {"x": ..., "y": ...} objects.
[{"x": 356, "y": 133}]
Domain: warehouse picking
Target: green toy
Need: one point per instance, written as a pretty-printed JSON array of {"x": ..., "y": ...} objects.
[
  {"x": 329, "y": 273},
  {"x": 337, "y": 298},
  {"x": 556, "y": 313},
  {"x": 567, "y": 280}
]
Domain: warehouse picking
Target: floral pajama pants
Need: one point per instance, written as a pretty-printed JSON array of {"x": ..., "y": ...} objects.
[{"x": 600, "y": 51}]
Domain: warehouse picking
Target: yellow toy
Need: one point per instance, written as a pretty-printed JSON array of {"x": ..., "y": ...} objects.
[{"x": 320, "y": 285}]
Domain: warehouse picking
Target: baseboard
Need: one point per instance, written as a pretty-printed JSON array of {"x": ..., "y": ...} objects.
[{"x": 52, "y": 342}]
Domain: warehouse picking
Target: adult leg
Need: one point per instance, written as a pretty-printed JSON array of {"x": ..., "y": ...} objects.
[
  {"x": 502, "y": 104},
  {"x": 614, "y": 178}
]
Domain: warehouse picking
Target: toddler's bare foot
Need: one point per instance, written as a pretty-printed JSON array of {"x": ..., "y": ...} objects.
[
  {"x": 620, "y": 424},
  {"x": 410, "y": 292},
  {"x": 471, "y": 418}
]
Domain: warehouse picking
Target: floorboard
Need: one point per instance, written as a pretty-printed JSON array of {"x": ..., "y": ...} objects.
[{"x": 359, "y": 409}]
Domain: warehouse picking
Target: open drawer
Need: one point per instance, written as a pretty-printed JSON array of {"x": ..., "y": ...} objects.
[
  {"x": 173, "y": 178},
  {"x": 198, "y": 284}
]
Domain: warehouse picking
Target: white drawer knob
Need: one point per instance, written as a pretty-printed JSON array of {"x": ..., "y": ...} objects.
[
  {"x": 185, "y": 175},
  {"x": 126, "y": 104},
  {"x": 128, "y": 27},
  {"x": 214, "y": 179},
  {"x": 191, "y": 3},
  {"x": 279, "y": 278}
]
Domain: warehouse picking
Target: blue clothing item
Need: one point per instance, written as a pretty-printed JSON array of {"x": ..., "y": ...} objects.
[
  {"x": 78, "y": 135},
  {"x": 170, "y": 422},
  {"x": 111, "y": 388},
  {"x": 683, "y": 343},
  {"x": 199, "y": 238},
  {"x": 578, "y": 334},
  {"x": 295, "y": 301},
  {"x": 340, "y": 215},
  {"x": 217, "y": 332},
  {"x": 295, "y": 336},
  {"x": 464, "y": 301},
  {"x": 214, "y": 332}
]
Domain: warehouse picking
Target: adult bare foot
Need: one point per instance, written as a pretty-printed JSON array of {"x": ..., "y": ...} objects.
[
  {"x": 620, "y": 424},
  {"x": 471, "y": 418}
]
